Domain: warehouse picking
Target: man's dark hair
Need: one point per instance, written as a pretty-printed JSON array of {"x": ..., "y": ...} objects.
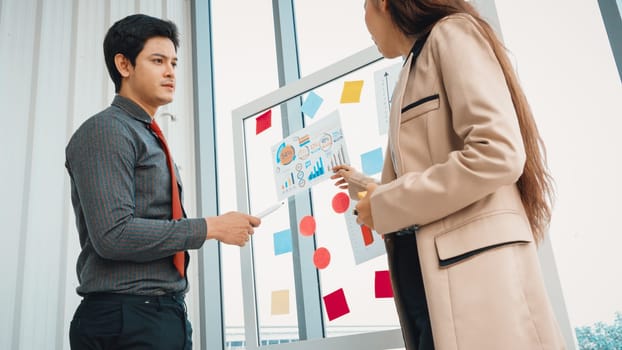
[{"x": 128, "y": 36}]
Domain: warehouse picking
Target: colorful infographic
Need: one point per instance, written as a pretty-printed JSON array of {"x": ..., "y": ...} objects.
[{"x": 307, "y": 156}]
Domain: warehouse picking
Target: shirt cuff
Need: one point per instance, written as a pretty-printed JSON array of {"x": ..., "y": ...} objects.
[{"x": 197, "y": 230}]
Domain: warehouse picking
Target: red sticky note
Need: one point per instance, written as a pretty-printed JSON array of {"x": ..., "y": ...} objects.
[
  {"x": 383, "y": 285},
  {"x": 264, "y": 122},
  {"x": 368, "y": 236},
  {"x": 341, "y": 202},
  {"x": 335, "y": 304},
  {"x": 307, "y": 226},
  {"x": 321, "y": 258}
]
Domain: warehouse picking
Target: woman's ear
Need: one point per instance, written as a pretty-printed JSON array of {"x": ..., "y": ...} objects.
[
  {"x": 384, "y": 5},
  {"x": 123, "y": 65}
]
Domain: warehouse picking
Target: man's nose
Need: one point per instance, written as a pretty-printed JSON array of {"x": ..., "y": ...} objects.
[{"x": 170, "y": 70}]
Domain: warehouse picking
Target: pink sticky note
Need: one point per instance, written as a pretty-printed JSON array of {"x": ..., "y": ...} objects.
[
  {"x": 264, "y": 122},
  {"x": 321, "y": 258},
  {"x": 383, "y": 285},
  {"x": 307, "y": 226},
  {"x": 341, "y": 203},
  {"x": 336, "y": 304}
]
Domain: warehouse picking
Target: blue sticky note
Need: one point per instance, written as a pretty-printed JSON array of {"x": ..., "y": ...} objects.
[
  {"x": 372, "y": 161},
  {"x": 282, "y": 242},
  {"x": 311, "y": 104}
]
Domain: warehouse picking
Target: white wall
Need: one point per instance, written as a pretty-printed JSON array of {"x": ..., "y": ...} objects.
[
  {"x": 53, "y": 77},
  {"x": 566, "y": 65}
]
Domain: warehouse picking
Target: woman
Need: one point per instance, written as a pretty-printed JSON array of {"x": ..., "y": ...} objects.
[{"x": 464, "y": 194}]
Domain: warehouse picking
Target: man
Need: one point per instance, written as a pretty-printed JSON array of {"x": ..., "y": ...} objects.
[{"x": 125, "y": 204}]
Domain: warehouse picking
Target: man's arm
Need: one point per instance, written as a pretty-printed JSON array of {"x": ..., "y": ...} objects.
[{"x": 102, "y": 160}]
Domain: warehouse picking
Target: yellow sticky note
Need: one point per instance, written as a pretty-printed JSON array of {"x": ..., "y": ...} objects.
[
  {"x": 362, "y": 194},
  {"x": 352, "y": 91},
  {"x": 280, "y": 302}
]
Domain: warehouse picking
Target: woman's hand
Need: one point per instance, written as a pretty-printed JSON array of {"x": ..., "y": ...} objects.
[
  {"x": 342, "y": 174},
  {"x": 363, "y": 208}
]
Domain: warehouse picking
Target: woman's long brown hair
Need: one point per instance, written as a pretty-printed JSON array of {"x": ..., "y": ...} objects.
[{"x": 417, "y": 17}]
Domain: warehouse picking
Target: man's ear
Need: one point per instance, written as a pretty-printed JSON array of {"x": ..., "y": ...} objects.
[{"x": 123, "y": 65}]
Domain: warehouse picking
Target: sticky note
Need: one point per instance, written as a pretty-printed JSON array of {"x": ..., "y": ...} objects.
[
  {"x": 263, "y": 122},
  {"x": 351, "y": 92},
  {"x": 307, "y": 226},
  {"x": 280, "y": 302},
  {"x": 341, "y": 203},
  {"x": 368, "y": 236},
  {"x": 372, "y": 161},
  {"x": 382, "y": 285},
  {"x": 311, "y": 104},
  {"x": 282, "y": 242},
  {"x": 336, "y": 305},
  {"x": 321, "y": 258}
]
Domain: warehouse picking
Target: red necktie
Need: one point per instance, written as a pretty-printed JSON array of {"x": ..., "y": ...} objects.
[{"x": 179, "y": 258}]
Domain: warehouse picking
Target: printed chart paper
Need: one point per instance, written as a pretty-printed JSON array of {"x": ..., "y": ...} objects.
[
  {"x": 307, "y": 156},
  {"x": 385, "y": 80},
  {"x": 366, "y": 244}
]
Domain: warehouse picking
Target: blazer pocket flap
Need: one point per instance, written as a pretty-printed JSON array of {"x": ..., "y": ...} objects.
[
  {"x": 481, "y": 234},
  {"x": 419, "y": 107}
]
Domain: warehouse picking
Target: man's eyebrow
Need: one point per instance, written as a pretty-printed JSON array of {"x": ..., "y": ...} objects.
[{"x": 174, "y": 58}]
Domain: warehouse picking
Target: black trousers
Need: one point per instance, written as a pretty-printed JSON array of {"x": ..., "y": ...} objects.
[
  {"x": 116, "y": 321},
  {"x": 408, "y": 291}
]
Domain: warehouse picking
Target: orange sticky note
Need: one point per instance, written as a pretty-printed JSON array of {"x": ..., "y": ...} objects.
[
  {"x": 321, "y": 258},
  {"x": 341, "y": 203},
  {"x": 351, "y": 92},
  {"x": 307, "y": 226},
  {"x": 368, "y": 236}
]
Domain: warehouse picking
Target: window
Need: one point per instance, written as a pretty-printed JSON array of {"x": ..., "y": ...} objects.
[
  {"x": 244, "y": 68},
  {"x": 329, "y": 31},
  {"x": 351, "y": 272}
]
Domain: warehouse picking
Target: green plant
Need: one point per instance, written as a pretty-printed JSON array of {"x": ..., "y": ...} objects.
[{"x": 601, "y": 336}]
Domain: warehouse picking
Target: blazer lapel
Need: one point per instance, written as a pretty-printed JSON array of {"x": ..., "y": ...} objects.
[{"x": 396, "y": 108}]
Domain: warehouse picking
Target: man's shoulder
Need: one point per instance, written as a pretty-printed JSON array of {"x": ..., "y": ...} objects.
[
  {"x": 112, "y": 118},
  {"x": 109, "y": 121}
]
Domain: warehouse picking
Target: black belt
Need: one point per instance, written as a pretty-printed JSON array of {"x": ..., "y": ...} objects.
[
  {"x": 408, "y": 231},
  {"x": 133, "y": 298}
]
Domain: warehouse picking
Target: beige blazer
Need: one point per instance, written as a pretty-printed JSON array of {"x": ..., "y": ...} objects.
[{"x": 455, "y": 153}]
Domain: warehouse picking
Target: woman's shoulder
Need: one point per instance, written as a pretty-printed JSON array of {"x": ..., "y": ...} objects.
[
  {"x": 453, "y": 22},
  {"x": 461, "y": 18},
  {"x": 459, "y": 31}
]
